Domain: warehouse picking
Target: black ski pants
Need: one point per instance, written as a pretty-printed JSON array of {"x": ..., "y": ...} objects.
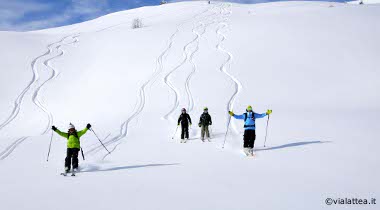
[
  {"x": 72, "y": 153},
  {"x": 184, "y": 131},
  {"x": 249, "y": 138}
]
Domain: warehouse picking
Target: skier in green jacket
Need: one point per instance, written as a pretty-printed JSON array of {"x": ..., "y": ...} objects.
[{"x": 73, "y": 145}]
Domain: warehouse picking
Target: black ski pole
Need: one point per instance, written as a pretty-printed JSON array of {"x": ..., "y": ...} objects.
[
  {"x": 100, "y": 141},
  {"x": 51, "y": 139},
  {"x": 266, "y": 131},
  {"x": 82, "y": 153},
  {"x": 228, "y": 126}
]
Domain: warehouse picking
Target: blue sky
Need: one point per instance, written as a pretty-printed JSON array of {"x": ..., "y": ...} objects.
[{"x": 24, "y": 15}]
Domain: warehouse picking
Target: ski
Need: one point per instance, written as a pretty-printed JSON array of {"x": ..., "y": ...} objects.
[
  {"x": 74, "y": 172},
  {"x": 64, "y": 174},
  {"x": 252, "y": 153},
  {"x": 249, "y": 153}
]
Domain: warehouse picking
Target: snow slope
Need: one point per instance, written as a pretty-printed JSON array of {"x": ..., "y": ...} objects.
[{"x": 315, "y": 65}]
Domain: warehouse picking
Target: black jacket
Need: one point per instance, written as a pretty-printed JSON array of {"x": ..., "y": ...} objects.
[
  {"x": 184, "y": 119},
  {"x": 205, "y": 119}
]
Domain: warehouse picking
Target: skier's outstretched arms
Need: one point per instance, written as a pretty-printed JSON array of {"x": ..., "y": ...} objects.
[
  {"x": 82, "y": 132},
  {"x": 63, "y": 134}
]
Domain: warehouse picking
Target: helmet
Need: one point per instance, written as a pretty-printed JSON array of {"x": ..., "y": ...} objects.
[
  {"x": 183, "y": 110},
  {"x": 70, "y": 126},
  {"x": 204, "y": 109},
  {"x": 249, "y": 108}
]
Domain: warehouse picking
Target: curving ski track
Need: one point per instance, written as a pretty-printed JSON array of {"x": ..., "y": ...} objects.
[
  {"x": 52, "y": 48},
  {"x": 187, "y": 57},
  {"x": 141, "y": 96},
  {"x": 171, "y": 40},
  {"x": 36, "y": 77},
  {"x": 227, "y": 64}
]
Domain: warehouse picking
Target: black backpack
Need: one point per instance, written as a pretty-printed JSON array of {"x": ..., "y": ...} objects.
[{"x": 246, "y": 116}]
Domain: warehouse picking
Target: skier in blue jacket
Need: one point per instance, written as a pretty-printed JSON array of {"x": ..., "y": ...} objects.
[{"x": 249, "y": 127}]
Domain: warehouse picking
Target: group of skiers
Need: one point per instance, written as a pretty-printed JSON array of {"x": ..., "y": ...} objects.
[
  {"x": 184, "y": 120},
  {"x": 249, "y": 117},
  {"x": 205, "y": 121}
]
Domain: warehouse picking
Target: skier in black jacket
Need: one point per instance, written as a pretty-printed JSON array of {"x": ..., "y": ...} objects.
[
  {"x": 184, "y": 119},
  {"x": 204, "y": 122}
]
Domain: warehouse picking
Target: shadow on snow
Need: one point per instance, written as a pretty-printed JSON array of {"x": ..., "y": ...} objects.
[
  {"x": 294, "y": 144},
  {"x": 97, "y": 168}
]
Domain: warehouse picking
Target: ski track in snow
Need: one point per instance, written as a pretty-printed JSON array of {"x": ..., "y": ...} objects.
[
  {"x": 54, "y": 74},
  {"x": 191, "y": 60},
  {"x": 141, "y": 96},
  {"x": 5, "y": 153},
  {"x": 35, "y": 98},
  {"x": 166, "y": 77},
  {"x": 227, "y": 64},
  {"x": 171, "y": 43},
  {"x": 186, "y": 57}
]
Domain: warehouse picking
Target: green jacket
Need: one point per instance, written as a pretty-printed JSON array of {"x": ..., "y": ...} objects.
[{"x": 73, "y": 141}]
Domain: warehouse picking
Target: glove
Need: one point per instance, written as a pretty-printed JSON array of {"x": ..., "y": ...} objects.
[
  {"x": 231, "y": 113},
  {"x": 199, "y": 125},
  {"x": 190, "y": 124},
  {"x": 178, "y": 124},
  {"x": 269, "y": 112},
  {"x": 88, "y": 126},
  {"x": 54, "y": 128},
  {"x": 210, "y": 123}
]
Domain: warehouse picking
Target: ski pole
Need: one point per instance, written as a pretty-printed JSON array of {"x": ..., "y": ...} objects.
[
  {"x": 100, "y": 141},
  {"x": 51, "y": 139},
  {"x": 210, "y": 131},
  {"x": 82, "y": 153},
  {"x": 266, "y": 131},
  {"x": 175, "y": 132},
  {"x": 228, "y": 126}
]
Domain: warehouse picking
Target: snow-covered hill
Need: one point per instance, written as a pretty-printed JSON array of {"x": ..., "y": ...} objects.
[{"x": 316, "y": 64}]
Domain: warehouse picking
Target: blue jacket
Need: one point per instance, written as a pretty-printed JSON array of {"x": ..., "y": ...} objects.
[{"x": 249, "y": 124}]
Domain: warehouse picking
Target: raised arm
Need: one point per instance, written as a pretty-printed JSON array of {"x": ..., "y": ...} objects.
[
  {"x": 239, "y": 117},
  {"x": 64, "y": 135},
  {"x": 82, "y": 132},
  {"x": 260, "y": 115}
]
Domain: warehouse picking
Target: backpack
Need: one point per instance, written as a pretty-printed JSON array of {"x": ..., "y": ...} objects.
[{"x": 246, "y": 116}]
